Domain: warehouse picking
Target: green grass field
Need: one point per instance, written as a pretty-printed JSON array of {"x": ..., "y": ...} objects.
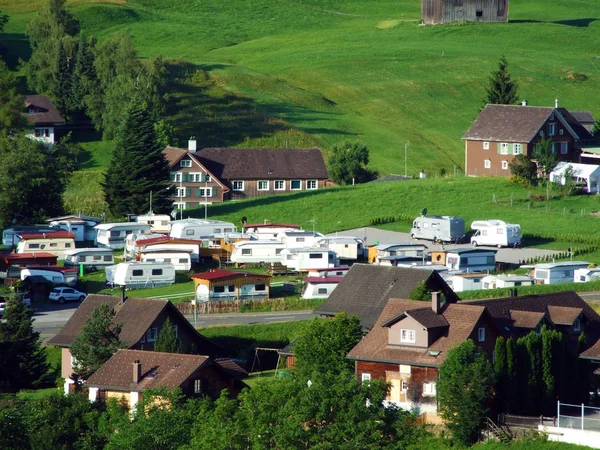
[{"x": 348, "y": 69}]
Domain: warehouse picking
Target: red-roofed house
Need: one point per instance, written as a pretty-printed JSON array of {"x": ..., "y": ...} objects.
[
  {"x": 44, "y": 117},
  {"x": 229, "y": 285}
]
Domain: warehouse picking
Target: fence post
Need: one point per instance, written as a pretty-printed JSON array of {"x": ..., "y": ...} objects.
[
  {"x": 558, "y": 412},
  {"x": 582, "y": 415}
]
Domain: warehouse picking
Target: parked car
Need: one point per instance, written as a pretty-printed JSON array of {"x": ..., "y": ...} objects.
[
  {"x": 3, "y": 301},
  {"x": 66, "y": 294}
]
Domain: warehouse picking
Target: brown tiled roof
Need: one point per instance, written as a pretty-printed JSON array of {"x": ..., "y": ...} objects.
[
  {"x": 174, "y": 154},
  {"x": 48, "y": 114},
  {"x": 428, "y": 318},
  {"x": 232, "y": 367},
  {"x": 583, "y": 117},
  {"x": 264, "y": 163},
  {"x": 592, "y": 353},
  {"x": 562, "y": 315},
  {"x": 169, "y": 370},
  {"x": 366, "y": 289},
  {"x": 461, "y": 319},
  {"x": 526, "y": 319}
]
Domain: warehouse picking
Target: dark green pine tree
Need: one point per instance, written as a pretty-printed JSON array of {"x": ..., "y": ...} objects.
[
  {"x": 513, "y": 400},
  {"x": 500, "y": 369},
  {"x": 501, "y": 90},
  {"x": 167, "y": 339},
  {"x": 61, "y": 89},
  {"x": 83, "y": 79},
  {"x": 23, "y": 357},
  {"x": 138, "y": 168}
]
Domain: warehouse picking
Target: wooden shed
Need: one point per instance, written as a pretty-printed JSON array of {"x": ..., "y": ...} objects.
[
  {"x": 435, "y": 12},
  {"x": 229, "y": 285}
]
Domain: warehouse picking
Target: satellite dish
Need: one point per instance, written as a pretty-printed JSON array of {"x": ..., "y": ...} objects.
[{"x": 424, "y": 212}]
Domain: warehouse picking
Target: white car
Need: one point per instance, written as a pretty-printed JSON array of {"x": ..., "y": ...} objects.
[
  {"x": 66, "y": 294},
  {"x": 27, "y": 301}
]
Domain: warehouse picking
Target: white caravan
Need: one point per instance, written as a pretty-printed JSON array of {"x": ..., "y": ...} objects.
[
  {"x": 495, "y": 233},
  {"x": 134, "y": 241},
  {"x": 136, "y": 275},
  {"x": 560, "y": 272},
  {"x": 268, "y": 230},
  {"x": 159, "y": 223},
  {"x": 56, "y": 275},
  {"x": 346, "y": 247},
  {"x": 172, "y": 245},
  {"x": 199, "y": 228},
  {"x": 297, "y": 239},
  {"x": 181, "y": 260},
  {"x": 257, "y": 252},
  {"x": 585, "y": 275},
  {"x": 304, "y": 259},
  {"x": 320, "y": 287},
  {"x": 112, "y": 235},
  {"x": 91, "y": 258}
]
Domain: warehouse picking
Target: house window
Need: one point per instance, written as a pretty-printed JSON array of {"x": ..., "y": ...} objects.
[
  {"x": 246, "y": 251},
  {"x": 279, "y": 185},
  {"x": 404, "y": 386},
  {"x": 481, "y": 335},
  {"x": 486, "y": 145},
  {"x": 487, "y": 164},
  {"x": 366, "y": 377},
  {"x": 151, "y": 334},
  {"x": 504, "y": 149},
  {"x": 231, "y": 288},
  {"x": 428, "y": 388},
  {"x": 551, "y": 129},
  {"x": 504, "y": 165},
  {"x": 237, "y": 185},
  {"x": 181, "y": 192},
  {"x": 517, "y": 149},
  {"x": 311, "y": 184},
  {"x": 185, "y": 163},
  {"x": 137, "y": 273},
  {"x": 157, "y": 271},
  {"x": 541, "y": 133},
  {"x": 197, "y": 386},
  {"x": 260, "y": 287},
  {"x": 564, "y": 148},
  {"x": 407, "y": 336},
  {"x": 551, "y": 116},
  {"x": 263, "y": 185},
  {"x": 577, "y": 325},
  {"x": 296, "y": 185},
  {"x": 479, "y": 13},
  {"x": 561, "y": 131},
  {"x": 202, "y": 192}
]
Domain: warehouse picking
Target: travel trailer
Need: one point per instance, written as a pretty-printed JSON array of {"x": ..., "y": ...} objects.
[
  {"x": 303, "y": 259},
  {"x": 56, "y": 274},
  {"x": 560, "y": 272},
  {"x": 199, "y": 228},
  {"x": 399, "y": 249},
  {"x": 112, "y": 235},
  {"x": 466, "y": 259},
  {"x": 159, "y": 223},
  {"x": 81, "y": 226},
  {"x": 136, "y": 275},
  {"x": 438, "y": 228},
  {"x": 298, "y": 238},
  {"x": 90, "y": 258},
  {"x": 268, "y": 230},
  {"x": 466, "y": 281},
  {"x": 56, "y": 242},
  {"x": 167, "y": 244},
  {"x": 505, "y": 281},
  {"x": 12, "y": 263},
  {"x": 257, "y": 252},
  {"x": 320, "y": 287},
  {"x": 134, "y": 241},
  {"x": 585, "y": 275},
  {"x": 181, "y": 260},
  {"x": 10, "y": 236},
  {"x": 346, "y": 247},
  {"x": 329, "y": 272},
  {"x": 495, "y": 233}
]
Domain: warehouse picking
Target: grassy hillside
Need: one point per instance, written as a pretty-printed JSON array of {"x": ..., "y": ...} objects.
[{"x": 339, "y": 69}]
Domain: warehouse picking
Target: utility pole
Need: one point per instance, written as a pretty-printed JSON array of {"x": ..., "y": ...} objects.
[{"x": 406, "y": 158}]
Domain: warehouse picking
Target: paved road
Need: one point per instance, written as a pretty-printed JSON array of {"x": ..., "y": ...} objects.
[{"x": 505, "y": 255}]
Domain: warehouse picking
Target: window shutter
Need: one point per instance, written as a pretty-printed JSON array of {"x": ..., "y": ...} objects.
[
  {"x": 499, "y": 148},
  {"x": 198, "y": 192},
  {"x": 172, "y": 177},
  {"x": 188, "y": 192},
  {"x": 511, "y": 148}
]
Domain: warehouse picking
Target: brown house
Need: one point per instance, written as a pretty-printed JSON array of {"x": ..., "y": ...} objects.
[
  {"x": 141, "y": 321},
  {"x": 502, "y": 132},
  {"x": 448, "y": 11},
  {"x": 129, "y": 373},
  {"x": 43, "y": 116}
]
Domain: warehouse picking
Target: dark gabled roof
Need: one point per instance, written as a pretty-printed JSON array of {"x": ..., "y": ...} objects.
[
  {"x": 264, "y": 163},
  {"x": 583, "y": 133},
  {"x": 232, "y": 367},
  {"x": 425, "y": 316},
  {"x": 583, "y": 117},
  {"x": 526, "y": 319},
  {"x": 169, "y": 370},
  {"x": 366, "y": 289},
  {"x": 288, "y": 350},
  {"x": 47, "y": 114}
]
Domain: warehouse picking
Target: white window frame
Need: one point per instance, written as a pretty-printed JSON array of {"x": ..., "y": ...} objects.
[
  {"x": 295, "y": 189},
  {"x": 486, "y": 145},
  {"x": 504, "y": 148},
  {"x": 263, "y": 182},
  {"x": 185, "y": 163},
  {"x": 238, "y": 189},
  {"x": 429, "y": 389},
  {"x": 181, "y": 192},
  {"x": 564, "y": 148},
  {"x": 282, "y": 182},
  {"x": 409, "y": 336},
  {"x": 481, "y": 334},
  {"x": 179, "y": 205},
  {"x": 177, "y": 177},
  {"x": 504, "y": 165},
  {"x": 309, "y": 182},
  {"x": 487, "y": 164},
  {"x": 404, "y": 385},
  {"x": 366, "y": 377},
  {"x": 197, "y": 386},
  {"x": 517, "y": 149},
  {"x": 152, "y": 334}
]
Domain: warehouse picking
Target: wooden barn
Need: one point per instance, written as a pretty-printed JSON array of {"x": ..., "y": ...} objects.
[{"x": 434, "y": 12}]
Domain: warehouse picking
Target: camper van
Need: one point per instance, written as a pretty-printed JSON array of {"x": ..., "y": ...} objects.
[
  {"x": 299, "y": 238},
  {"x": 438, "y": 228},
  {"x": 90, "y": 258},
  {"x": 199, "y": 228},
  {"x": 303, "y": 259},
  {"x": 181, "y": 260},
  {"x": 496, "y": 233},
  {"x": 56, "y": 274},
  {"x": 136, "y": 275},
  {"x": 10, "y": 236},
  {"x": 112, "y": 235},
  {"x": 57, "y": 243},
  {"x": 257, "y": 252},
  {"x": 159, "y": 223},
  {"x": 346, "y": 247}
]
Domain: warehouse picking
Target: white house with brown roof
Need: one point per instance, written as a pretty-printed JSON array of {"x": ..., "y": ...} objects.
[
  {"x": 43, "y": 115},
  {"x": 502, "y": 132}
]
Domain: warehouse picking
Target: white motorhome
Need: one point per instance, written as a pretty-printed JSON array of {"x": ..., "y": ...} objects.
[
  {"x": 257, "y": 251},
  {"x": 495, "y": 233},
  {"x": 269, "y": 230},
  {"x": 199, "y": 228},
  {"x": 159, "y": 223},
  {"x": 438, "y": 228},
  {"x": 112, "y": 235},
  {"x": 303, "y": 259},
  {"x": 91, "y": 258},
  {"x": 585, "y": 275},
  {"x": 56, "y": 275},
  {"x": 298, "y": 238},
  {"x": 181, "y": 260},
  {"x": 57, "y": 243},
  {"x": 560, "y": 272},
  {"x": 136, "y": 275},
  {"x": 346, "y": 247}
]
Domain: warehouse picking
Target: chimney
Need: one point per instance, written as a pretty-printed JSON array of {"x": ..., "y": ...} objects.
[
  {"x": 524, "y": 103},
  {"x": 556, "y": 103},
  {"x": 435, "y": 302},
  {"x": 192, "y": 144},
  {"x": 137, "y": 371}
]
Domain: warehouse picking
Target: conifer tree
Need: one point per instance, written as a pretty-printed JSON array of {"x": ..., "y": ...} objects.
[
  {"x": 511, "y": 375},
  {"x": 83, "y": 80},
  {"x": 61, "y": 88},
  {"x": 500, "y": 368},
  {"x": 24, "y": 359},
  {"x": 11, "y": 103},
  {"x": 501, "y": 90},
  {"x": 138, "y": 167},
  {"x": 167, "y": 339}
]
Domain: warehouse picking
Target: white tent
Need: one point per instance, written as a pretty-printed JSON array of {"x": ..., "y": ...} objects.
[{"x": 589, "y": 173}]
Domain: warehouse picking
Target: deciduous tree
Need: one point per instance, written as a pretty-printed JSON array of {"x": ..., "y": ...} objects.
[
  {"x": 545, "y": 157},
  {"x": 502, "y": 89},
  {"x": 11, "y": 103},
  {"x": 522, "y": 170},
  {"x": 349, "y": 162}
]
